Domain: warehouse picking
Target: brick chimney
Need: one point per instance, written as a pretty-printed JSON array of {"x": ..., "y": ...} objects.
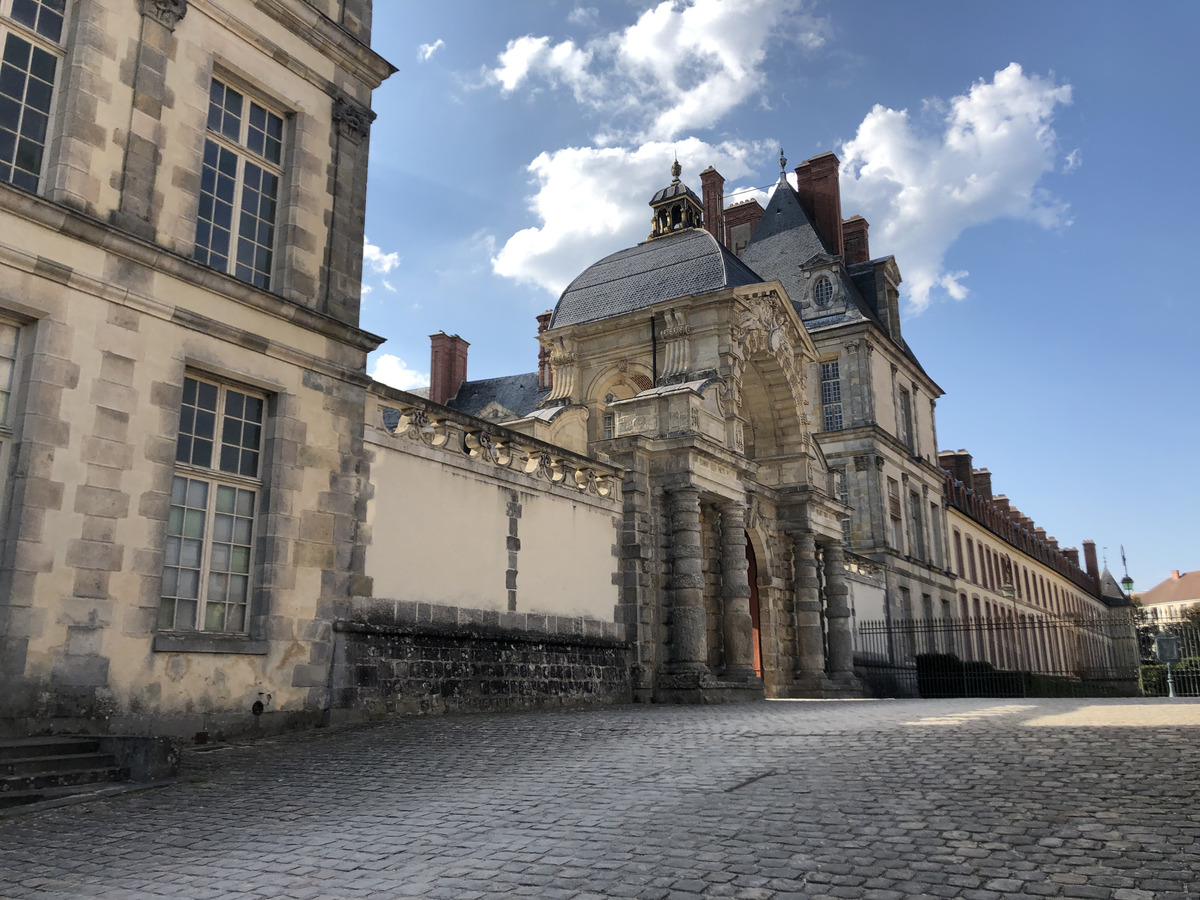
[
  {"x": 821, "y": 195},
  {"x": 545, "y": 376},
  {"x": 712, "y": 189},
  {"x": 447, "y": 365},
  {"x": 1089, "y": 555},
  {"x": 983, "y": 483},
  {"x": 957, "y": 464},
  {"x": 1174, "y": 574},
  {"x": 740, "y": 221},
  {"x": 1072, "y": 553},
  {"x": 1001, "y": 503},
  {"x": 1052, "y": 542},
  {"x": 854, "y": 237}
]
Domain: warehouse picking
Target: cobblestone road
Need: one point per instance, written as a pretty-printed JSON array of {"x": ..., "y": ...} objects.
[{"x": 871, "y": 799}]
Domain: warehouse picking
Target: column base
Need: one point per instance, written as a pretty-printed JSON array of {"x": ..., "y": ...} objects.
[
  {"x": 697, "y": 686},
  {"x": 740, "y": 674},
  {"x": 820, "y": 686}
]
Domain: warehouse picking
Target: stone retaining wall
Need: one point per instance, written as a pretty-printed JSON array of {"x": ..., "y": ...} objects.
[{"x": 405, "y": 658}]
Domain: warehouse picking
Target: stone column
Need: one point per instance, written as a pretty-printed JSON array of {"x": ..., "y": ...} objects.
[
  {"x": 735, "y": 594},
  {"x": 837, "y": 611},
  {"x": 810, "y": 643},
  {"x": 689, "y": 635}
]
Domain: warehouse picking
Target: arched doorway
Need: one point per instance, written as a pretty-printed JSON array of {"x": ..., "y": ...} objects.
[{"x": 756, "y": 631}]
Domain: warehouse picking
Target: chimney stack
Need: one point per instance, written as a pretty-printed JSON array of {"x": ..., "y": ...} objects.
[
  {"x": 821, "y": 196},
  {"x": 957, "y": 464},
  {"x": 544, "y": 371},
  {"x": 983, "y": 483},
  {"x": 854, "y": 238},
  {"x": 1072, "y": 553},
  {"x": 1174, "y": 574},
  {"x": 1092, "y": 565},
  {"x": 447, "y": 365},
  {"x": 740, "y": 221},
  {"x": 712, "y": 189}
]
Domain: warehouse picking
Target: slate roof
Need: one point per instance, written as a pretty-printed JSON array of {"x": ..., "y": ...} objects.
[
  {"x": 1111, "y": 591},
  {"x": 518, "y": 393},
  {"x": 783, "y": 241},
  {"x": 682, "y": 264},
  {"x": 1174, "y": 590}
]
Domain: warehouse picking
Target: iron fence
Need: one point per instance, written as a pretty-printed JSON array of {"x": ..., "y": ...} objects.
[{"x": 1109, "y": 654}]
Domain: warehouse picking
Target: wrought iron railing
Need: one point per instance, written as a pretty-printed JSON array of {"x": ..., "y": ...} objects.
[{"x": 1109, "y": 654}]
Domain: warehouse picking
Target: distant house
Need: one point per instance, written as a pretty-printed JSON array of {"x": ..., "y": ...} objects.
[{"x": 1172, "y": 597}]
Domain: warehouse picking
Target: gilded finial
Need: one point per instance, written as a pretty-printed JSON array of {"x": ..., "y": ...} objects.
[
  {"x": 782, "y": 161},
  {"x": 676, "y": 169}
]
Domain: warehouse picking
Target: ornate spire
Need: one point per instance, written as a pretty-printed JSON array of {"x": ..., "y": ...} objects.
[
  {"x": 676, "y": 171},
  {"x": 782, "y": 161}
]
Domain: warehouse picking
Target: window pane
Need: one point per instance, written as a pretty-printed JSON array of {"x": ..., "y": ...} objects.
[
  {"x": 225, "y": 499},
  {"x": 202, "y": 453}
]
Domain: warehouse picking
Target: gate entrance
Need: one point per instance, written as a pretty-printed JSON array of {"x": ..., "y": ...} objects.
[{"x": 756, "y": 635}]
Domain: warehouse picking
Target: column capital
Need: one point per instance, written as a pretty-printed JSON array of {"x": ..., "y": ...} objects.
[{"x": 167, "y": 13}]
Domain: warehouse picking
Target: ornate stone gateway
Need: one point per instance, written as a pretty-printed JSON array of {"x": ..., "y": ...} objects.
[{"x": 691, "y": 373}]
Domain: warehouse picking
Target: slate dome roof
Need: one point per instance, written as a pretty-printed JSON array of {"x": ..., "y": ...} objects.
[{"x": 682, "y": 264}]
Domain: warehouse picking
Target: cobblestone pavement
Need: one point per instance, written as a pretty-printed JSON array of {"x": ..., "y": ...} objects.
[{"x": 870, "y": 799}]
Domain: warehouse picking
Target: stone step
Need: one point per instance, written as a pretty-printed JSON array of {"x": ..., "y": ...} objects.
[
  {"x": 39, "y": 780},
  {"x": 64, "y": 762},
  {"x": 23, "y": 748}
]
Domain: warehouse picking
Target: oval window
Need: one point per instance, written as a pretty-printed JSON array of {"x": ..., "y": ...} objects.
[{"x": 823, "y": 292}]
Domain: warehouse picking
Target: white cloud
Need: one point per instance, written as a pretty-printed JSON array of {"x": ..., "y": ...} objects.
[
  {"x": 592, "y": 201},
  {"x": 681, "y": 66},
  {"x": 584, "y": 15},
  {"x": 425, "y": 51},
  {"x": 366, "y": 289},
  {"x": 1073, "y": 160},
  {"x": 379, "y": 262},
  {"x": 387, "y": 284},
  {"x": 394, "y": 371},
  {"x": 921, "y": 186}
]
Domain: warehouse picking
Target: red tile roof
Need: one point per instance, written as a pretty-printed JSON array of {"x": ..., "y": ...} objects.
[{"x": 1175, "y": 589}]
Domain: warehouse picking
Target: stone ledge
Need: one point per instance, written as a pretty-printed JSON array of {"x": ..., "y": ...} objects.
[
  {"x": 199, "y": 642},
  {"x": 475, "y": 632}
]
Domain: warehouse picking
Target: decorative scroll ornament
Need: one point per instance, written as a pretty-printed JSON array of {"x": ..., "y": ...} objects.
[
  {"x": 676, "y": 346},
  {"x": 563, "y": 365},
  {"x": 167, "y": 13},
  {"x": 480, "y": 444},
  {"x": 352, "y": 121},
  {"x": 417, "y": 424}
]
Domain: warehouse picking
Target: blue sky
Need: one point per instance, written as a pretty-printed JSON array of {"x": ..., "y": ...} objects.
[{"x": 1029, "y": 164}]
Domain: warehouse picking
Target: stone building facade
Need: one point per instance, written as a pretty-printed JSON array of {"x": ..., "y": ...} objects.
[{"x": 181, "y": 216}]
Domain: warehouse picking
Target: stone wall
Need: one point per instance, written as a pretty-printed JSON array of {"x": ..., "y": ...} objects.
[{"x": 405, "y": 658}]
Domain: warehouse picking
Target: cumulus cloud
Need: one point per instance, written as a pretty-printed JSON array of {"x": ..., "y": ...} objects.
[
  {"x": 681, "y": 66},
  {"x": 379, "y": 262},
  {"x": 592, "y": 201},
  {"x": 921, "y": 181},
  {"x": 1073, "y": 160},
  {"x": 425, "y": 51},
  {"x": 394, "y": 371}
]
